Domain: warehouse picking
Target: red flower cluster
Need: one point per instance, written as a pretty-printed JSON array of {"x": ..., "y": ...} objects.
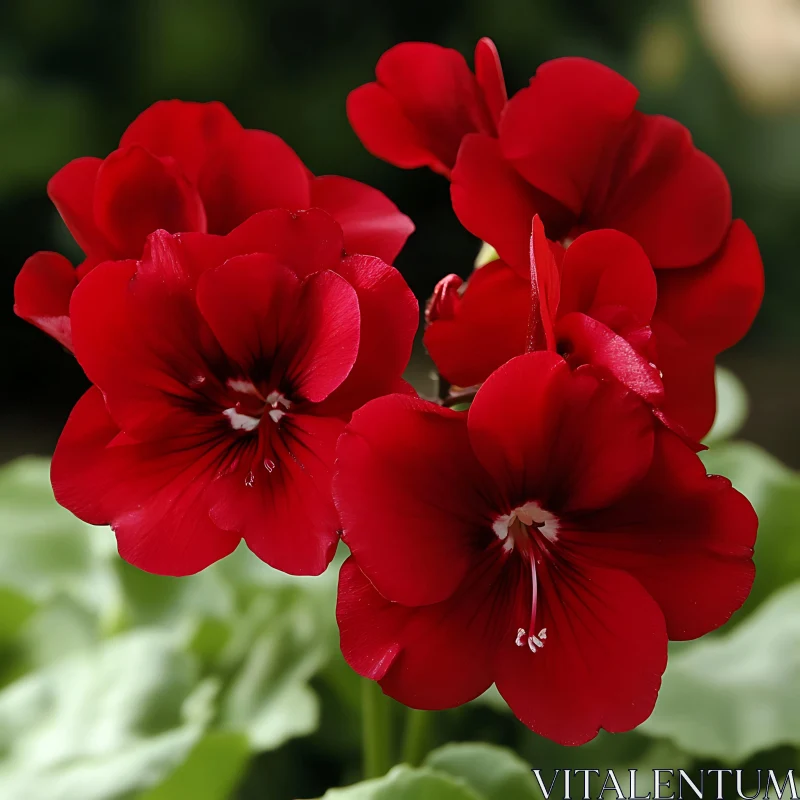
[
  {"x": 572, "y": 148},
  {"x": 188, "y": 167},
  {"x": 245, "y": 338},
  {"x": 554, "y": 537}
]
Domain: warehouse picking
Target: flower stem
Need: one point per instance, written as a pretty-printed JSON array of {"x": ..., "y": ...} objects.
[
  {"x": 416, "y": 738},
  {"x": 375, "y": 730}
]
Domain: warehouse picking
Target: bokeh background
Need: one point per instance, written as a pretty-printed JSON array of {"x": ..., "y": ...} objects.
[{"x": 112, "y": 679}]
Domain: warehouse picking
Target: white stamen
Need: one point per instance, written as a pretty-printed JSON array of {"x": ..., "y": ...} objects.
[
  {"x": 276, "y": 414},
  {"x": 241, "y": 422},
  {"x": 520, "y": 637},
  {"x": 529, "y": 515},
  {"x": 275, "y": 398},
  {"x": 243, "y": 386}
]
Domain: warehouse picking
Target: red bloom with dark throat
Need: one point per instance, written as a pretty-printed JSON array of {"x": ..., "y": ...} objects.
[
  {"x": 548, "y": 540},
  {"x": 188, "y": 167},
  {"x": 225, "y": 369}
]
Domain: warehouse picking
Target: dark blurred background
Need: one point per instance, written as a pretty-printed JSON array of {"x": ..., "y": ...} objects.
[{"x": 74, "y": 73}]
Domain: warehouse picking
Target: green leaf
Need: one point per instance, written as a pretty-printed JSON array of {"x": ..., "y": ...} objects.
[
  {"x": 774, "y": 491},
  {"x": 404, "y": 783},
  {"x": 732, "y": 406},
  {"x": 46, "y": 552},
  {"x": 734, "y": 695},
  {"x": 101, "y": 724},
  {"x": 280, "y": 645},
  {"x": 213, "y": 770},
  {"x": 495, "y": 773}
]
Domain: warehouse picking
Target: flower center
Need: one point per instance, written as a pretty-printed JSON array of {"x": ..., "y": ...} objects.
[
  {"x": 250, "y": 405},
  {"x": 531, "y": 531}
]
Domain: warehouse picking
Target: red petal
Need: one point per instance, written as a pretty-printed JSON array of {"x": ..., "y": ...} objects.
[
  {"x": 712, "y": 306},
  {"x": 602, "y": 662},
  {"x": 263, "y": 316},
  {"x": 137, "y": 193},
  {"x": 380, "y": 123},
  {"x": 433, "y": 657},
  {"x": 401, "y": 449},
  {"x": 151, "y": 494},
  {"x": 306, "y": 241},
  {"x": 425, "y": 101},
  {"x": 279, "y": 497},
  {"x": 254, "y": 172},
  {"x": 559, "y": 130},
  {"x": 564, "y": 438},
  {"x": 687, "y": 537},
  {"x": 690, "y": 396},
  {"x": 488, "y": 326},
  {"x": 489, "y": 74},
  {"x": 188, "y": 132},
  {"x": 72, "y": 191},
  {"x": 495, "y": 203},
  {"x": 42, "y": 292},
  {"x": 664, "y": 192},
  {"x": 372, "y": 224},
  {"x": 588, "y": 341},
  {"x": 139, "y": 337},
  {"x": 545, "y": 290},
  {"x": 389, "y": 320},
  {"x": 606, "y": 269}
]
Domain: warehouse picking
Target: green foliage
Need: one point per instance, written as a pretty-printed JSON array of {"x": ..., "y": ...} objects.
[
  {"x": 735, "y": 695},
  {"x": 124, "y": 679},
  {"x": 404, "y": 783},
  {"x": 211, "y": 772},
  {"x": 495, "y": 773}
]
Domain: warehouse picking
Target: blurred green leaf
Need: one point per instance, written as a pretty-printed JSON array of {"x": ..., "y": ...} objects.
[
  {"x": 281, "y": 648},
  {"x": 46, "y": 552},
  {"x": 734, "y": 695},
  {"x": 214, "y": 768},
  {"x": 732, "y": 406},
  {"x": 15, "y": 610},
  {"x": 774, "y": 491},
  {"x": 103, "y": 723},
  {"x": 404, "y": 783},
  {"x": 495, "y": 773}
]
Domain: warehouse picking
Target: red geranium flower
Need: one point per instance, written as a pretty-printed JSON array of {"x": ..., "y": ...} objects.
[
  {"x": 224, "y": 370},
  {"x": 595, "y": 303},
  {"x": 572, "y": 148},
  {"x": 188, "y": 167},
  {"x": 425, "y": 101},
  {"x": 549, "y": 540}
]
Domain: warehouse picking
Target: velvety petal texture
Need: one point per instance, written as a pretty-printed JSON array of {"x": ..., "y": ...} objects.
[
  {"x": 424, "y": 101},
  {"x": 191, "y": 167},
  {"x": 222, "y": 370},
  {"x": 42, "y": 292},
  {"x": 503, "y": 544}
]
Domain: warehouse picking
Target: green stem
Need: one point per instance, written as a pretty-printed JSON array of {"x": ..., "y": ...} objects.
[
  {"x": 375, "y": 730},
  {"x": 416, "y": 739}
]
